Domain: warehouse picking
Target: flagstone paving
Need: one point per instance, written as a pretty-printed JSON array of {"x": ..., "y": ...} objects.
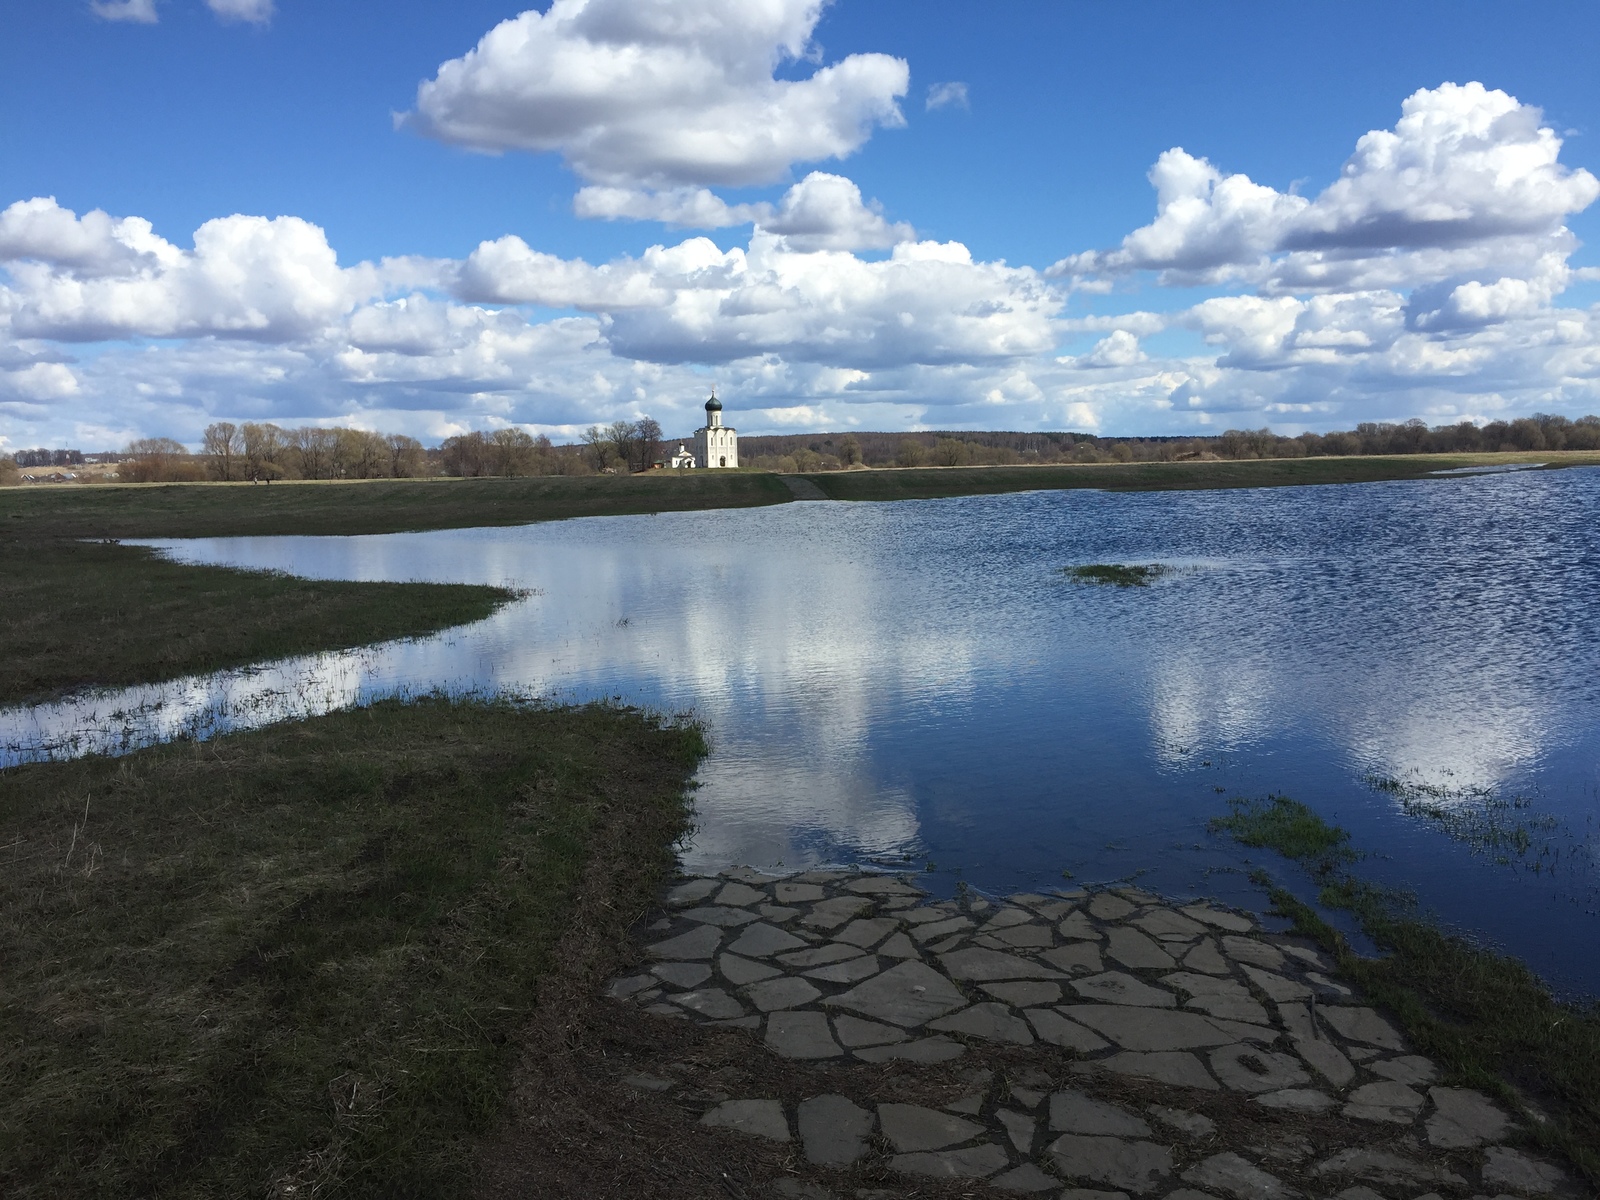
[{"x": 1181, "y": 1051}]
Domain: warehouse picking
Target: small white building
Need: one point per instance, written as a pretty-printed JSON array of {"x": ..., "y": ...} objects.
[
  {"x": 717, "y": 445},
  {"x": 682, "y": 460}
]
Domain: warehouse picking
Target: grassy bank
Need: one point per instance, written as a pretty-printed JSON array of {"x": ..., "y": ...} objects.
[
  {"x": 366, "y": 506},
  {"x": 394, "y": 505},
  {"x": 91, "y": 613},
  {"x": 925, "y": 483},
  {"x": 1485, "y": 1018},
  {"x": 300, "y": 957}
]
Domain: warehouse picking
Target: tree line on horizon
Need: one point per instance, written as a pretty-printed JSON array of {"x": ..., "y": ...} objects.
[{"x": 263, "y": 452}]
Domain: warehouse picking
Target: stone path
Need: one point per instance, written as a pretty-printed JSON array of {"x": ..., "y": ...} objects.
[{"x": 1146, "y": 1048}]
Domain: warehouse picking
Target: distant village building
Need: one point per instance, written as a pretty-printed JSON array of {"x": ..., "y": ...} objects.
[
  {"x": 682, "y": 460},
  {"x": 717, "y": 445}
]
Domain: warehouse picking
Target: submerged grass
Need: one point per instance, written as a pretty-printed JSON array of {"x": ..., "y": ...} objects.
[
  {"x": 1484, "y": 1017},
  {"x": 294, "y": 961},
  {"x": 81, "y": 613},
  {"x": 1118, "y": 575}
]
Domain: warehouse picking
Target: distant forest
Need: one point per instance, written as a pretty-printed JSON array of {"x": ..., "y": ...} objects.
[{"x": 266, "y": 452}]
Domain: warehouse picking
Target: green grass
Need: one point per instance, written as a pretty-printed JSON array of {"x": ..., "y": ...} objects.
[
  {"x": 1482, "y": 1016},
  {"x": 81, "y": 613},
  {"x": 371, "y": 506},
  {"x": 299, "y": 957},
  {"x": 923, "y": 483},
  {"x": 1117, "y": 575},
  {"x": 396, "y": 505}
]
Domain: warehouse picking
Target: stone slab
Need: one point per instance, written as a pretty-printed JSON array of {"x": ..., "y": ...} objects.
[
  {"x": 1408, "y": 1068},
  {"x": 1077, "y": 927},
  {"x": 1165, "y": 923},
  {"x": 990, "y": 1021},
  {"x": 1024, "y": 994},
  {"x": 1386, "y": 1101},
  {"x": 1052, "y": 1027},
  {"x": 1073, "y": 1112},
  {"x": 854, "y": 1032},
  {"x": 717, "y": 914},
  {"x": 1252, "y": 1069},
  {"x": 913, "y": 1127},
  {"x": 1307, "y": 1100},
  {"x": 973, "y": 1162},
  {"x": 762, "y": 941},
  {"x": 1274, "y": 985},
  {"x": 773, "y": 994},
  {"x": 1026, "y": 937},
  {"x": 693, "y": 892},
  {"x": 1156, "y": 1028},
  {"x": 866, "y": 932},
  {"x": 852, "y": 970},
  {"x": 909, "y": 994},
  {"x": 1504, "y": 1167},
  {"x": 801, "y": 1034},
  {"x": 1109, "y": 907},
  {"x": 923, "y": 1050},
  {"x": 758, "y": 1118},
  {"x": 1218, "y": 918},
  {"x": 830, "y": 914},
  {"x": 682, "y": 974},
  {"x": 1080, "y": 958},
  {"x": 1207, "y": 958},
  {"x": 981, "y": 966},
  {"x": 697, "y": 943},
  {"x": 1253, "y": 951},
  {"x": 818, "y": 956},
  {"x": 940, "y": 929},
  {"x": 740, "y": 971},
  {"x": 1133, "y": 949},
  {"x": 833, "y": 1130},
  {"x": 1177, "y": 1067},
  {"x": 797, "y": 893},
  {"x": 1326, "y": 1060},
  {"x": 1118, "y": 987},
  {"x": 1019, "y": 1128},
  {"x": 1136, "y": 1166},
  {"x": 709, "y": 1002},
  {"x": 1384, "y": 1167},
  {"x": 899, "y": 946},
  {"x": 1232, "y": 1175},
  {"x": 1026, "y": 1179},
  {"x": 741, "y": 895},
  {"x": 1463, "y": 1119}
]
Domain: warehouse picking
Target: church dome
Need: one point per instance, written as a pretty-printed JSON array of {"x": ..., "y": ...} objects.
[{"x": 713, "y": 404}]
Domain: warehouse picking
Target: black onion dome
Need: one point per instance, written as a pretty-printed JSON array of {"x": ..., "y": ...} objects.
[{"x": 713, "y": 404}]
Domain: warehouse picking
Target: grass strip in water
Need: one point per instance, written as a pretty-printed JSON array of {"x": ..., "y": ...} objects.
[
  {"x": 299, "y": 957},
  {"x": 366, "y": 506},
  {"x": 1484, "y": 1017},
  {"x": 80, "y": 613},
  {"x": 1118, "y": 575}
]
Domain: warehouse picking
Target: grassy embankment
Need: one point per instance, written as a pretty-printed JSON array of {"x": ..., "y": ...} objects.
[
  {"x": 302, "y": 957},
  {"x": 82, "y": 613},
  {"x": 1484, "y": 1017},
  {"x": 394, "y": 505},
  {"x": 923, "y": 483}
]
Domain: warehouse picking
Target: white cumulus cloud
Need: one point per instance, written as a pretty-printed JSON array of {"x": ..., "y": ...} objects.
[
  {"x": 661, "y": 93},
  {"x": 1469, "y": 181},
  {"x": 255, "y": 12},
  {"x": 141, "y": 12},
  {"x": 947, "y": 95},
  {"x": 821, "y": 212}
]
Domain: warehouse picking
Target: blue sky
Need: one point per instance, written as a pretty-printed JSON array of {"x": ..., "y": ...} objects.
[{"x": 435, "y": 274}]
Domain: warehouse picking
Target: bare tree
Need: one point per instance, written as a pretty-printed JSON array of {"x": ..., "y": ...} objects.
[
  {"x": 224, "y": 443},
  {"x": 646, "y": 443},
  {"x": 158, "y": 460},
  {"x": 263, "y": 449},
  {"x": 597, "y": 447},
  {"x": 511, "y": 452},
  {"x": 405, "y": 456}
]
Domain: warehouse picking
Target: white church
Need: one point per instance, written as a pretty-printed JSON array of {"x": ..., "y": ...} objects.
[{"x": 715, "y": 446}]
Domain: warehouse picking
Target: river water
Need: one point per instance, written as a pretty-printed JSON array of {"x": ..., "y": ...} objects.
[{"x": 920, "y": 683}]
